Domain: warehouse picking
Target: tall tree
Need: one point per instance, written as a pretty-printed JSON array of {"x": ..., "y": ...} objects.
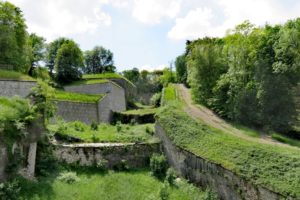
[
  {"x": 99, "y": 60},
  {"x": 68, "y": 62},
  {"x": 37, "y": 44},
  {"x": 52, "y": 50},
  {"x": 13, "y": 38},
  {"x": 181, "y": 70},
  {"x": 133, "y": 74}
]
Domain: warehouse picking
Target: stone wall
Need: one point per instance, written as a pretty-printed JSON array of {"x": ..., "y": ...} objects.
[
  {"x": 205, "y": 173},
  {"x": 11, "y": 88},
  {"x": 130, "y": 90},
  {"x": 115, "y": 155},
  {"x": 85, "y": 112},
  {"x": 116, "y": 93}
]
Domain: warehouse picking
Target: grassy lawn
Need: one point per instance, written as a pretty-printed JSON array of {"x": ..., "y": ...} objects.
[
  {"x": 273, "y": 166},
  {"x": 13, "y": 75},
  {"x": 135, "y": 185},
  {"x": 106, "y": 133},
  {"x": 144, "y": 111},
  {"x": 88, "y": 82},
  {"x": 169, "y": 94},
  {"x": 101, "y": 76},
  {"x": 76, "y": 97}
]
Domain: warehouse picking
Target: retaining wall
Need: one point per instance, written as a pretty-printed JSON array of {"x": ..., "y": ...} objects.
[
  {"x": 202, "y": 172},
  {"x": 116, "y": 155},
  {"x": 11, "y": 88},
  {"x": 115, "y": 93}
]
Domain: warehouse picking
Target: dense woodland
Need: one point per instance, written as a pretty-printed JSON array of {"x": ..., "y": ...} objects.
[{"x": 248, "y": 76}]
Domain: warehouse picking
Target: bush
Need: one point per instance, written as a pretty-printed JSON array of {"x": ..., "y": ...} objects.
[
  {"x": 68, "y": 177},
  {"x": 94, "y": 126},
  {"x": 155, "y": 99},
  {"x": 102, "y": 164},
  {"x": 164, "y": 193},
  {"x": 171, "y": 176},
  {"x": 10, "y": 190},
  {"x": 158, "y": 165},
  {"x": 118, "y": 126}
]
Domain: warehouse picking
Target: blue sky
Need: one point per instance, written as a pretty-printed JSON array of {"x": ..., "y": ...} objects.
[{"x": 147, "y": 34}]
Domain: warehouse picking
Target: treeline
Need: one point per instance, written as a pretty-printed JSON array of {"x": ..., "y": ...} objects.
[
  {"x": 248, "y": 76},
  {"x": 24, "y": 52}
]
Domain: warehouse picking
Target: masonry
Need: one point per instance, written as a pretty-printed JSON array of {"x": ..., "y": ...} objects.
[
  {"x": 113, "y": 155},
  {"x": 85, "y": 112},
  {"x": 11, "y": 88},
  {"x": 205, "y": 173}
]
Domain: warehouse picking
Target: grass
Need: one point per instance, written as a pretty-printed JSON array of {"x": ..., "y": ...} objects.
[
  {"x": 101, "y": 76},
  {"x": 275, "y": 167},
  {"x": 132, "y": 185},
  {"x": 76, "y": 97},
  {"x": 121, "y": 133},
  {"x": 13, "y": 75},
  {"x": 286, "y": 140},
  {"x": 89, "y": 82},
  {"x": 144, "y": 111},
  {"x": 169, "y": 94}
]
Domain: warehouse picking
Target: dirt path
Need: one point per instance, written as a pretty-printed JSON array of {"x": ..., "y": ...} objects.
[{"x": 210, "y": 118}]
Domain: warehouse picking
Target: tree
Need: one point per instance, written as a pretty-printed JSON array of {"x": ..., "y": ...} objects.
[
  {"x": 99, "y": 60},
  {"x": 68, "y": 62},
  {"x": 181, "y": 71},
  {"x": 13, "y": 38},
  {"x": 52, "y": 50},
  {"x": 133, "y": 75},
  {"x": 37, "y": 45}
]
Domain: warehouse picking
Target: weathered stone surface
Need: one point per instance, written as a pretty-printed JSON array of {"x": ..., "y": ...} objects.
[
  {"x": 3, "y": 161},
  {"x": 133, "y": 155},
  {"x": 205, "y": 173},
  {"x": 11, "y": 88}
]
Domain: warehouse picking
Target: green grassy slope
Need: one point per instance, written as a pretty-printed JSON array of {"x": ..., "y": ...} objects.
[
  {"x": 76, "y": 97},
  {"x": 13, "y": 75},
  {"x": 273, "y": 166}
]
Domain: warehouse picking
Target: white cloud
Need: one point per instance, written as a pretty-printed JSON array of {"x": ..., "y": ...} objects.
[
  {"x": 197, "y": 23},
  {"x": 153, "y": 11},
  {"x": 215, "y": 21},
  {"x": 56, "y": 18}
]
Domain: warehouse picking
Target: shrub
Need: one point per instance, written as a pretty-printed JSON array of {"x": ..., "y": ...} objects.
[
  {"x": 155, "y": 99},
  {"x": 118, "y": 126},
  {"x": 158, "y": 165},
  {"x": 10, "y": 190},
  {"x": 68, "y": 177},
  {"x": 164, "y": 192},
  {"x": 94, "y": 138},
  {"x": 171, "y": 176},
  {"x": 94, "y": 126},
  {"x": 149, "y": 130},
  {"x": 210, "y": 195},
  {"x": 79, "y": 126},
  {"x": 102, "y": 164}
]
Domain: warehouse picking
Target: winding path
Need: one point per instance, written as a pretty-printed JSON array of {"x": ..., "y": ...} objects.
[{"x": 204, "y": 114}]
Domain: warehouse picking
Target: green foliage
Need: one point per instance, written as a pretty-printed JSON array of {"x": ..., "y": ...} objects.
[
  {"x": 248, "y": 76},
  {"x": 133, "y": 75},
  {"x": 158, "y": 165},
  {"x": 101, "y": 76},
  {"x": 10, "y": 190},
  {"x": 75, "y": 97},
  {"x": 169, "y": 94},
  {"x": 42, "y": 94},
  {"x": 164, "y": 192},
  {"x": 14, "y": 50},
  {"x": 13, "y": 75},
  {"x": 256, "y": 161},
  {"x": 171, "y": 176},
  {"x": 285, "y": 139},
  {"x": 155, "y": 99},
  {"x": 105, "y": 133},
  {"x": 68, "y": 61},
  {"x": 37, "y": 46},
  {"x": 94, "y": 126},
  {"x": 181, "y": 69},
  {"x": 99, "y": 60},
  {"x": 167, "y": 77},
  {"x": 68, "y": 177},
  {"x": 41, "y": 73}
]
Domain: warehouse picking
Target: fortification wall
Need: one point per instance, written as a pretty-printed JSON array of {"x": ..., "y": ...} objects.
[
  {"x": 205, "y": 173},
  {"x": 11, "y": 88},
  {"x": 113, "y": 156},
  {"x": 115, "y": 93}
]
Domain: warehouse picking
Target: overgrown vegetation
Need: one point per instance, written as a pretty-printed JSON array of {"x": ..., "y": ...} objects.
[
  {"x": 76, "y": 97},
  {"x": 248, "y": 76},
  {"x": 14, "y": 75},
  {"x": 273, "y": 166},
  {"x": 105, "y": 132}
]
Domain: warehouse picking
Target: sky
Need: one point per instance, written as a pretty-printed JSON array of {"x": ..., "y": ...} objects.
[{"x": 147, "y": 34}]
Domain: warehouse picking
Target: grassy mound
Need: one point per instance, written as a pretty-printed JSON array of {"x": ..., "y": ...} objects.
[
  {"x": 13, "y": 75},
  {"x": 76, "y": 97},
  {"x": 105, "y": 132}
]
